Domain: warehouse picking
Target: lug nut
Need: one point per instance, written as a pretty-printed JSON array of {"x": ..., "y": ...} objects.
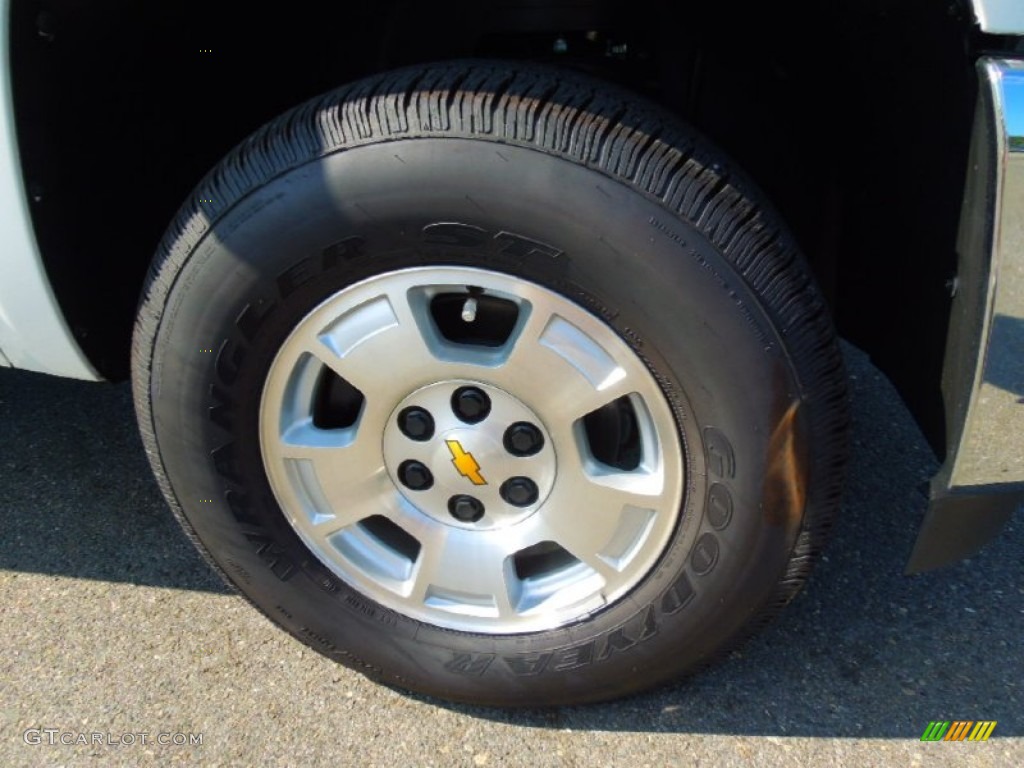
[
  {"x": 416, "y": 423},
  {"x": 471, "y": 404},
  {"x": 519, "y": 491},
  {"x": 523, "y": 439},
  {"x": 414, "y": 475},
  {"x": 466, "y": 509}
]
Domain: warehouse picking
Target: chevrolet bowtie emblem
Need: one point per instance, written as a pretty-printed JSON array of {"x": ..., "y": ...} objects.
[{"x": 465, "y": 463}]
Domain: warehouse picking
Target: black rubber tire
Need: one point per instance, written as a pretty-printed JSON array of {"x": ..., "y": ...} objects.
[{"x": 623, "y": 209}]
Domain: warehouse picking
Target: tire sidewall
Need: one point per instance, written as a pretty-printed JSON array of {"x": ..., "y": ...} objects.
[{"x": 283, "y": 249}]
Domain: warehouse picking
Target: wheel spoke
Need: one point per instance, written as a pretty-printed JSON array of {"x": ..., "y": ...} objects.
[
  {"x": 463, "y": 572},
  {"x": 378, "y": 347},
  {"x": 562, "y": 369},
  {"x": 603, "y": 517},
  {"x": 341, "y": 472}
]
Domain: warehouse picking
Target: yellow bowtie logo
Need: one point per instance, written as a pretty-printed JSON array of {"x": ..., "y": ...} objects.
[{"x": 465, "y": 463}]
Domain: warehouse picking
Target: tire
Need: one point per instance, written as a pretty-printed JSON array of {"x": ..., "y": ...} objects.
[{"x": 637, "y": 305}]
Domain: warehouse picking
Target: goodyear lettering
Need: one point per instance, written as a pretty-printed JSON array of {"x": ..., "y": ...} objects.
[
  {"x": 220, "y": 411},
  {"x": 627, "y": 636},
  {"x": 294, "y": 277},
  {"x": 453, "y": 233},
  {"x": 721, "y": 458},
  {"x": 273, "y": 555},
  {"x": 239, "y": 506},
  {"x": 638, "y": 629},
  {"x": 527, "y": 665},
  {"x": 469, "y": 664},
  {"x": 677, "y": 596},
  {"x": 229, "y": 361},
  {"x": 224, "y": 460},
  {"x": 573, "y": 657},
  {"x": 719, "y": 506},
  {"x": 344, "y": 250},
  {"x": 705, "y": 554},
  {"x": 524, "y": 247},
  {"x": 510, "y": 244},
  {"x": 252, "y": 317}
]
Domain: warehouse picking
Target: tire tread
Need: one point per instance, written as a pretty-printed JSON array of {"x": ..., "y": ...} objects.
[{"x": 590, "y": 122}]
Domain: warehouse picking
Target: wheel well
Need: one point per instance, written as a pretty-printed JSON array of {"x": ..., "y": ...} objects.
[{"x": 853, "y": 117}]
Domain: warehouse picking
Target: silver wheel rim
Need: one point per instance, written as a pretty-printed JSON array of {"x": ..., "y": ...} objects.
[{"x": 593, "y": 529}]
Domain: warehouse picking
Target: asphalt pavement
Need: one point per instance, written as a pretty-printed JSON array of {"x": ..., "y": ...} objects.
[{"x": 120, "y": 647}]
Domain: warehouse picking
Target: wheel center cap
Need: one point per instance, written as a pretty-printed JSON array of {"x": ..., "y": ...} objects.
[
  {"x": 484, "y": 462},
  {"x": 464, "y": 461}
]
